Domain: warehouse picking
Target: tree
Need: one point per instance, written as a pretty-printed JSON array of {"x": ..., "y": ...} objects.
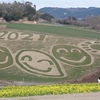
[
  {"x": 17, "y": 10},
  {"x": 29, "y": 9},
  {"x": 46, "y": 16},
  {"x": 72, "y": 18}
]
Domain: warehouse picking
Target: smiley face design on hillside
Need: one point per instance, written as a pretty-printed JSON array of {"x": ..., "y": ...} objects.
[
  {"x": 72, "y": 55},
  {"x": 39, "y": 63},
  {"x": 6, "y": 59}
]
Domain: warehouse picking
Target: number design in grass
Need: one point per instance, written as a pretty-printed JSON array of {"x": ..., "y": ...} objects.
[
  {"x": 72, "y": 55},
  {"x": 6, "y": 59},
  {"x": 39, "y": 63}
]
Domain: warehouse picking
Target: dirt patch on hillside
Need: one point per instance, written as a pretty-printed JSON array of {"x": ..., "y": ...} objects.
[{"x": 88, "y": 78}]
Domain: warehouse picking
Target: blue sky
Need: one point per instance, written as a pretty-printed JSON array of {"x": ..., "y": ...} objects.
[{"x": 61, "y": 3}]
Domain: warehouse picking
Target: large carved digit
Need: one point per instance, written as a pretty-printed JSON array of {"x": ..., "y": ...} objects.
[
  {"x": 13, "y": 36},
  {"x": 2, "y": 35},
  {"x": 27, "y": 37}
]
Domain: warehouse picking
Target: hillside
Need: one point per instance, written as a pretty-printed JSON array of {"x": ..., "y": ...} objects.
[
  {"x": 47, "y": 54},
  {"x": 79, "y": 13}
]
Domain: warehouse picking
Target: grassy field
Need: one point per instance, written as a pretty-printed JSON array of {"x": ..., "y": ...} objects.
[
  {"x": 59, "y": 30},
  {"x": 42, "y": 54}
]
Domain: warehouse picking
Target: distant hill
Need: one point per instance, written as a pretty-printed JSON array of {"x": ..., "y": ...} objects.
[{"x": 79, "y": 13}]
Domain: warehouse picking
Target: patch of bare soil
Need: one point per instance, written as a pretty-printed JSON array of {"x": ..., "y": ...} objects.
[{"x": 88, "y": 78}]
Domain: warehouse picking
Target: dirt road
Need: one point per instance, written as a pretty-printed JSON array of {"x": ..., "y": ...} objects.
[{"x": 81, "y": 96}]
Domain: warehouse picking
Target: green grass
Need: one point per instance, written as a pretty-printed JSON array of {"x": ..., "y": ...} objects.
[
  {"x": 59, "y": 30},
  {"x": 20, "y": 91},
  {"x": 96, "y": 46}
]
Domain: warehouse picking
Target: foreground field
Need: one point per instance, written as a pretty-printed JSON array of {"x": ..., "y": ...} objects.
[
  {"x": 23, "y": 91},
  {"x": 39, "y": 54}
]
